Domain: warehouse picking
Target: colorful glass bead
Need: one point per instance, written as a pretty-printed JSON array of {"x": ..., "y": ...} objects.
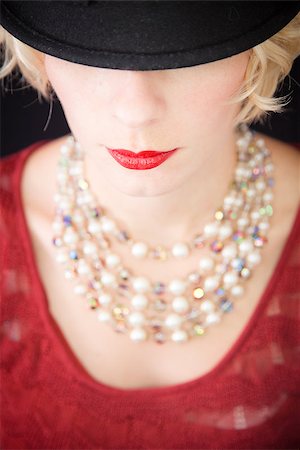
[
  {"x": 217, "y": 246},
  {"x": 93, "y": 303},
  {"x": 198, "y": 293},
  {"x": 226, "y": 305},
  {"x": 198, "y": 329},
  {"x": 199, "y": 241}
]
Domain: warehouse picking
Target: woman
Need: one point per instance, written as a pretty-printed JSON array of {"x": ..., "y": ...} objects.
[{"x": 108, "y": 254}]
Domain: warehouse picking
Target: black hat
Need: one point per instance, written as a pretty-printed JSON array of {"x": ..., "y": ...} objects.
[{"x": 145, "y": 35}]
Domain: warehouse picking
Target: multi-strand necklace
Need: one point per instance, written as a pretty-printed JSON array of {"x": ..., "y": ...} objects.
[{"x": 181, "y": 308}]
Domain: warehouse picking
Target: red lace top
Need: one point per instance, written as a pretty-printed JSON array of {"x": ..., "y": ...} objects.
[{"x": 250, "y": 400}]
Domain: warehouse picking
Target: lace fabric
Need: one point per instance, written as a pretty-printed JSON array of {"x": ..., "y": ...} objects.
[{"x": 250, "y": 400}]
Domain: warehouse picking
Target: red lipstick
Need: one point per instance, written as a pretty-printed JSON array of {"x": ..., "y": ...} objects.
[{"x": 140, "y": 161}]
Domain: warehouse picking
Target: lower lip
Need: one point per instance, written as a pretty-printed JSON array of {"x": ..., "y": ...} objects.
[{"x": 141, "y": 162}]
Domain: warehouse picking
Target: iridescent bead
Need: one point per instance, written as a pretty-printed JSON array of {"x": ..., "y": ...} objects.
[
  {"x": 245, "y": 272},
  {"x": 159, "y": 337},
  {"x": 160, "y": 253},
  {"x": 93, "y": 303},
  {"x": 219, "y": 215},
  {"x": 238, "y": 236},
  {"x": 217, "y": 246},
  {"x": 160, "y": 304},
  {"x": 73, "y": 254},
  {"x": 159, "y": 288},
  {"x": 198, "y": 293},
  {"x": 120, "y": 312},
  {"x": 198, "y": 330},
  {"x": 226, "y": 305},
  {"x": 237, "y": 264},
  {"x": 199, "y": 241},
  {"x": 123, "y": 236},
  {"x": 220, "y": 292},
  {"x": 57, "y": 242},
  {"x": 83, "y": 184},
  {"x": 259, "y": 241}
]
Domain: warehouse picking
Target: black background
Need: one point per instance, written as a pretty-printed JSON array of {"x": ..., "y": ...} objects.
[{"x": 24, "y": 118}]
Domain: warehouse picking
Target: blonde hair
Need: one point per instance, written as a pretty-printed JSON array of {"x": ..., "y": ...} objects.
[{"x": 269, "y": 63}]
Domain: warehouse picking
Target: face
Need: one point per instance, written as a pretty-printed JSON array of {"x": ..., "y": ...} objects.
[{"x": 149, "y": 110}]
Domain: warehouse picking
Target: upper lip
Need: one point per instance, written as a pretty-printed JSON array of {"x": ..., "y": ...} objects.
[{"x": 141, "y": 152}]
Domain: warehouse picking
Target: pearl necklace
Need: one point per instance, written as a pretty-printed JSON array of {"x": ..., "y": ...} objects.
[{"x": 184, "y": 307}]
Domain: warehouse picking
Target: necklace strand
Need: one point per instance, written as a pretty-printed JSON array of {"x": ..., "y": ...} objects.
[{"x": 183, "y": 307}]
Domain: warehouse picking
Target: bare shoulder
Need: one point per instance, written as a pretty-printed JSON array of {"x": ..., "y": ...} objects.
[{"x": 38, "y": 179}]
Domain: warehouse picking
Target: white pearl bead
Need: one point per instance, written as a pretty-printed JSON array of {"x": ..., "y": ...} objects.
[
  {"x": 104, "y": 316},
  {"x": 70, "y": 237},
  {"x": 269, "y": 168},
  {"x": 180, "y": 250},
  {"x": 57, "y": 226},
  {"x": 229, "y": 200},
  {"x": 268, "y": 196},
  {"x": 179, "y": 336},
  {"x": 82, "y": 267},
  {"x": 139, "y": 250},
  {"x": 139, "y": 301},
  {"x": 79, "y": 289},
  {"x": 260, "y": 143},
  {"x": 254, "y": 258},
  {"x": 251, "y": 193},
  {"x": 94, "y": 227},
  {"x": 61, "y": 257},
  {"x": 136, "y": 319},
  {"x": 229, "y": 251},
  {"x": 230, "y": 278},
  {"x": 107, "y": 225},
  {"x": 237, "y": 290},
  {"x": 65, "y": 149},
  {"x": 173, "y": 321},
  {"x": 78, "y": 218},
  {"x": 245, "y": 246},
  {"x": 212, "y": 318},
  {"x": 180, "y": 304},
  {"x": 112, "y": 260},
  {"x": 141, "y": 284},
  {"x": 75, "y": 170},
  {"x": 207, "y": 306},
  {"x": 242, "y": 222},
  {"x": 255, "y": 215},
  {"x": 211, "y": 229},
  {"x": 239, "y": 202},
  {"x": 211, "y": 283},
  {"x": 206, "y": 264},
  {"x": 107, "y": 278},
  {"x": 104, "y": 299},
  {"x": 264, "y": 226},
  {"x": 177, "y": 287},
  {"x": 89, "y": 248},
  {"x": 225, "y": 231},
  {"x": 260, "y": 185},
  {"x": 138, "y": 334}
]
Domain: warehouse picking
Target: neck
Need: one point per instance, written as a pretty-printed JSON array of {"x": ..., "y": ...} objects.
[{"x": 174, "y": 213}]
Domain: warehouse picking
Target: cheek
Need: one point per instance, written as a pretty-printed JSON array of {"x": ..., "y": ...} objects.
[{"x": 207, "y": 101}]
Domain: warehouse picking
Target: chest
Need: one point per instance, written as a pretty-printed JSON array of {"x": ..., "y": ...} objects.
[{"x": 112, "y": 358}]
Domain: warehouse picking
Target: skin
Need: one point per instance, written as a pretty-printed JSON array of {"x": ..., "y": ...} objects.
[{"x": 155, "y": 110}]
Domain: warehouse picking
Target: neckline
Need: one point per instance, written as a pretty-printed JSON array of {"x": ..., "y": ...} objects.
[{"x": 71, "y": 359}]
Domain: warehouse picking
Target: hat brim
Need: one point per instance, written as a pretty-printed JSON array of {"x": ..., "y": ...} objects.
[{"x": 145, "y": 35}]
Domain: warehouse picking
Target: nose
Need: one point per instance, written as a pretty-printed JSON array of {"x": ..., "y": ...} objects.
[{"x": 138, "y": 100}]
